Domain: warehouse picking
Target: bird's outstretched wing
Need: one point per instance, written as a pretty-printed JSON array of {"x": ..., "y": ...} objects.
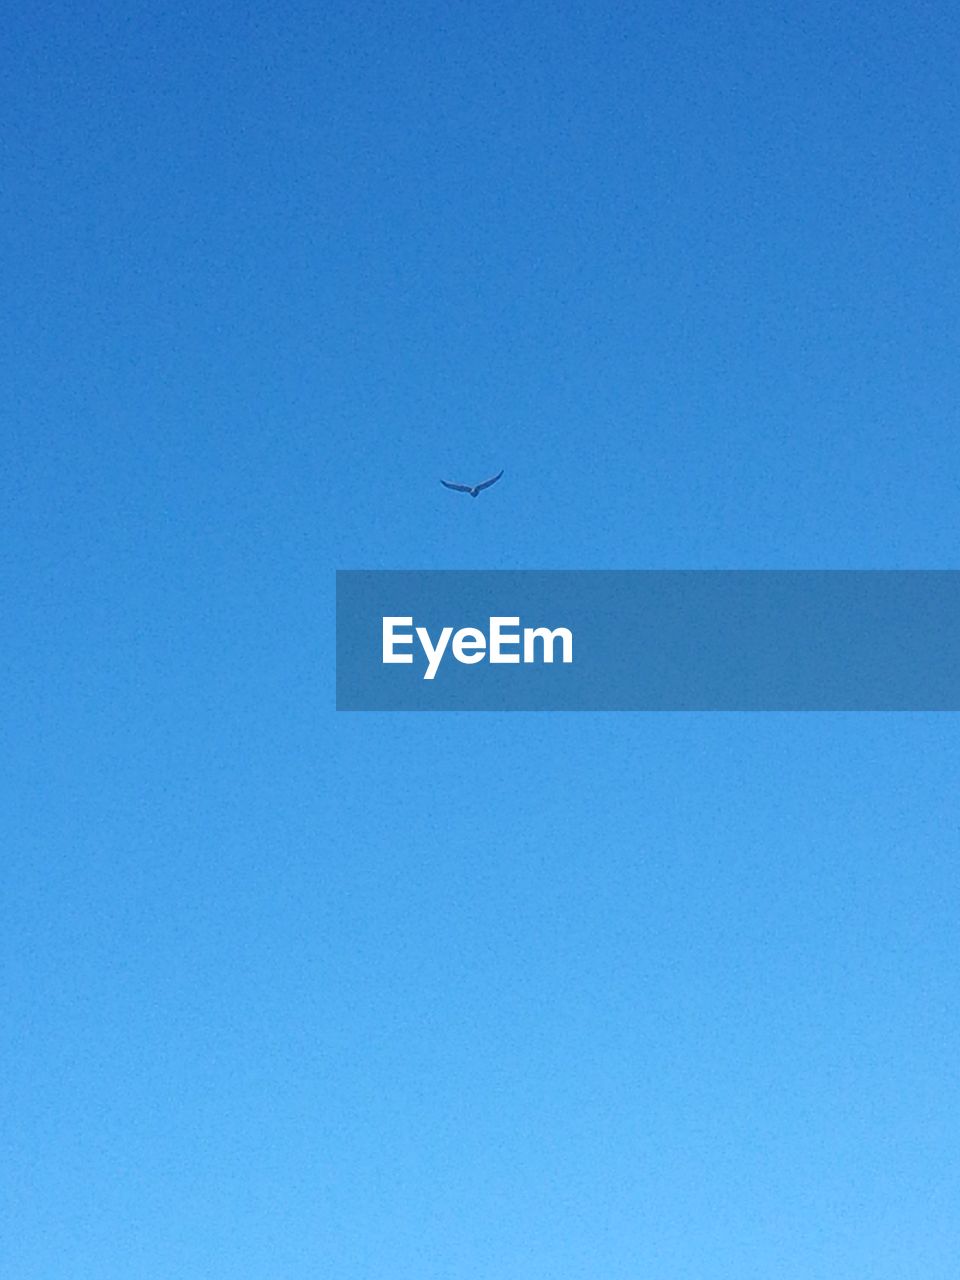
[
  {"x": 487, "y": 483},
  {"x": 460, "y": 488}
]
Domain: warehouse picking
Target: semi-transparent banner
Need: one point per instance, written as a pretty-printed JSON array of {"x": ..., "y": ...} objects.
[{"x": 685, "y": 640}]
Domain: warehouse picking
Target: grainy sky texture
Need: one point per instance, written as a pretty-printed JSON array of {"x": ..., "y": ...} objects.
[{"x": 290, "y": 994}]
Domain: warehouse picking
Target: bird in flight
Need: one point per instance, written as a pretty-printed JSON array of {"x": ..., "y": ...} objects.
[{"x": 472, "y": 489}]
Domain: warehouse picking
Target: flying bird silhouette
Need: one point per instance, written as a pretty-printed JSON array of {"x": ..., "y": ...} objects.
[{"x": 472, "y": 489}]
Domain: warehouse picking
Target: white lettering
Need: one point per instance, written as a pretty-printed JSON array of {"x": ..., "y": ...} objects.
[
  {"x": 390, "y": 640},
  {"x": 499, "y": 638},
  {"x": 530, "y": 635},
  {"x": 469, "y": 645},
  {"x": 434, "y": 655}
]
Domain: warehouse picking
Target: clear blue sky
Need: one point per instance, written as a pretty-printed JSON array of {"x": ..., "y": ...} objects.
[{"x": 289, "y": 994}]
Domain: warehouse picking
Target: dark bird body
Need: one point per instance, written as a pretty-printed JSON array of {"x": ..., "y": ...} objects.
[{"x": 472, "y": 489}]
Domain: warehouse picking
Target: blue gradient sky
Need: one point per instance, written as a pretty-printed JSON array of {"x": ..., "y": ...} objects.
[{"x": 290, "y": 994}]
